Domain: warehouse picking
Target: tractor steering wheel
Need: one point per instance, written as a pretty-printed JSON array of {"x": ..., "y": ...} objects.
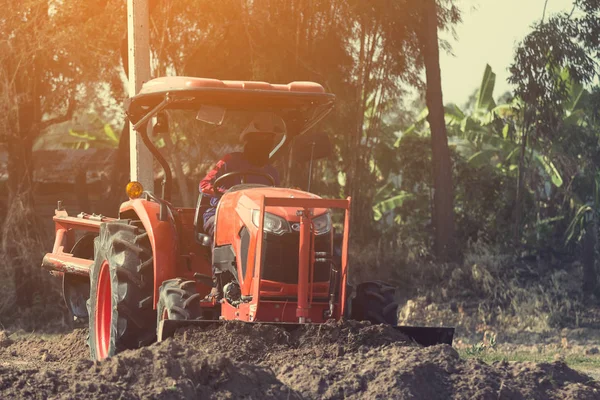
[{"x": 243, "y": 175}]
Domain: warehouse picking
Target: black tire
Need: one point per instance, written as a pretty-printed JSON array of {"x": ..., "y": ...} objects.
[
  {"x": 375, "y": 302},
  {"x": 178, "y": 300},
  {"x": 123, "y": 259}
]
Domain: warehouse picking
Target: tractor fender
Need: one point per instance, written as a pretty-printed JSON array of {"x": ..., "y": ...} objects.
[{"x": 162, "y": 235}]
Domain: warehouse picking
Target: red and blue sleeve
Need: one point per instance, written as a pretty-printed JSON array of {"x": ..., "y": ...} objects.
[{"x": 206, "y": 184}]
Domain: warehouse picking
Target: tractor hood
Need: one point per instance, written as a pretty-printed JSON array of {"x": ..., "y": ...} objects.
[{"x": 247, "y": 200}]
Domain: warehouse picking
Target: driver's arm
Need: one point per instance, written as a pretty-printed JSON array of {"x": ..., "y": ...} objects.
[{"x": 206, "y": 184}]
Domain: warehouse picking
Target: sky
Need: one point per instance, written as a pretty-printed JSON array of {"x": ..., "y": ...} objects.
[{"x": 490, "y": 32}]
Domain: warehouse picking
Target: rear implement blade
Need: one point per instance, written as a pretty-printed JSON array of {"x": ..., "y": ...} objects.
[
  {"x": 428, "y": 336},
  {"x": 423, "y": 335}
]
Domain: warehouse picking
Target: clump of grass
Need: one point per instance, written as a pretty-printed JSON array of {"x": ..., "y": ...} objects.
[
  {"x": 488, "y": 288},
  {"x": 536, "y": 294},
  {"x": 587, "y": 364},
  {"x": 31, "y": 298},
  {"x": 487, "y": 344}
]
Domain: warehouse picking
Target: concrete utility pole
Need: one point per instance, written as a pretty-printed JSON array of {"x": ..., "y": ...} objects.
[{"x": 140, "y": 158}]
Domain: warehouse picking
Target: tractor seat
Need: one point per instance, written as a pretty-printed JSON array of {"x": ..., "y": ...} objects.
[{"x": 200, "y": 235}]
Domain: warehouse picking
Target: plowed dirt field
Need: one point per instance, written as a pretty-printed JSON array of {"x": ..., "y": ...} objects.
[{"x": 345, "y": 360}]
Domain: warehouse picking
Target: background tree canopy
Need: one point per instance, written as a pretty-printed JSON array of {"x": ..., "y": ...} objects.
[{"x": 520, "y": 172}]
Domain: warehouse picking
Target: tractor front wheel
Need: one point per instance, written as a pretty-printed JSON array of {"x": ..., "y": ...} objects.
[
  {"x": 122, "y": 287},
  {"x": 178, "y": 300}
]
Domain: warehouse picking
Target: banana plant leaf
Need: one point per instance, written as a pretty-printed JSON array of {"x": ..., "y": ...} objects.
[
  {"x": 485, "y": 95},
  {"x": 549, "y": 168},
  {"x": 577, "y": 223},
  {"x": 390, "y": 204}
]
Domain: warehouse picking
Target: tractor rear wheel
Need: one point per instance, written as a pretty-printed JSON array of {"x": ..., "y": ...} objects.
[
  {"x": 122, "y": 289},
  {"x": 375, "y": 302}
]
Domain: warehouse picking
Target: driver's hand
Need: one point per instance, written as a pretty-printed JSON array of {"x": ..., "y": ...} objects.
[{"x": 221, "y": 190}]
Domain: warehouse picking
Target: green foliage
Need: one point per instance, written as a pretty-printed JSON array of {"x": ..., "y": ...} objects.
[
  {"x": 488, "y": 145},
  {"x": 364, "y": 52},
  {"x": 480, "y": 348},
  {"x": 552, "y": 64},
  {"x": 476, "y": 349},
  {"x": 39, "y": 58},
  {"x": 578, "y": 223},
  {"x": 483, "y": 159},
  {"x": 585, "y": 214},
  {"x": 485, "y": 95},
  {"x": 549, "y": 168},
  {"x": 390, "y": 204},
  {"x": 105, "y": 139}
]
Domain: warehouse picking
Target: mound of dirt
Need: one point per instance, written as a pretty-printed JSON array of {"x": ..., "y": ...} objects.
[
  {"x": 234, "y": 360},
  {"x": 63, "y": 350},
  {"x": 257, "y": 343}
]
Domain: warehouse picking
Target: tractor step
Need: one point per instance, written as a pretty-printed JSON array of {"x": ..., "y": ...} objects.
[{"x": 425, "y": 336}]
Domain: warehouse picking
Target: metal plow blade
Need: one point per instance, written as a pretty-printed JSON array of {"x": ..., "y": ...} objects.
[
  {"x": 428, "y": 336},
  {"x": 425, "y": 336}
]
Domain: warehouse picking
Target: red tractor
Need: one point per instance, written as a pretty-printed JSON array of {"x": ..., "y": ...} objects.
[{"x": 144, "y": 274}]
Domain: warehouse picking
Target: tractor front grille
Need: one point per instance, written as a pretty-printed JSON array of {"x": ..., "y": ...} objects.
[{"x": 280, "y": 257}]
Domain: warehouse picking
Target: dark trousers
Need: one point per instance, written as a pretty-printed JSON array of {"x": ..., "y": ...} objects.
[
  {"x": 209, "y": 229},
  {"x": 209, "y": 226}
]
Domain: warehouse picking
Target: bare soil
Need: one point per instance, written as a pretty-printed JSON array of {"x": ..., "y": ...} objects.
[{"x": 236, "y": 361}]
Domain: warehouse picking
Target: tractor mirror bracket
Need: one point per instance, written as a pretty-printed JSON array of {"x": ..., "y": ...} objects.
[
  {"x": 162, "y": 123},
  {"x": 311, "y": 146}
]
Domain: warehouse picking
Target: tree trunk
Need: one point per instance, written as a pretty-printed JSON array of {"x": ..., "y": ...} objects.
[
  {"x": 520, "y": 189},
  {"x": 588, "y": 257},
  {"x": 590, "y": 246},
  {"x": 20, "y": 171},
  {"x": 21, "y": 236},
  {"x": 443, "y": 197},
  {"x": 19, "y": 228},
  {"x": 355, "y": 177},
  {"x": 119, "y": 176}
]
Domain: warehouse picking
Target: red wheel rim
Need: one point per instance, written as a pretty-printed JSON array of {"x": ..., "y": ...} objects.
[{"x": 103, "y": 317}]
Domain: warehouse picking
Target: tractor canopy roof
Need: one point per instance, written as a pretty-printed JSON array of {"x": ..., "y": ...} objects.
[{"x": 300, "y": 104}]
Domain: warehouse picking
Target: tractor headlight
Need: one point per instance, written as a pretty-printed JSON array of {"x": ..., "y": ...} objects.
[
  {"x": 322, "y": 224},
  {"x": 272, "y": 224}
]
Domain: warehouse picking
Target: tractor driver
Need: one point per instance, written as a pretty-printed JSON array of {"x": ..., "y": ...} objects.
[{"x": 258, "y": 139}]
